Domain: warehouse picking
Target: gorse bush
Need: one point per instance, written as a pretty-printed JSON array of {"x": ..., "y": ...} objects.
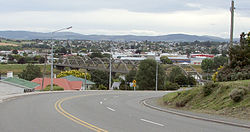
[
  {"x": 75, "y": 73},
  {"x": 239, "y": 66},
  {"x": 171, "y": 86},
  {"x": 237, "y": 94},
  {"x": 208, "y": 88}
]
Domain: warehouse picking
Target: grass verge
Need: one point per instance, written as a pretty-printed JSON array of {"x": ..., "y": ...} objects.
[{"x": 216, "y": 102}]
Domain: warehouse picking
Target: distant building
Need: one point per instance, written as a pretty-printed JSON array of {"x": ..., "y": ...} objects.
[{"x": 196, "y": 59}]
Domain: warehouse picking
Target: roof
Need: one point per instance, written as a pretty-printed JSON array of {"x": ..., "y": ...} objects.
[
  {"x": 21, "y": 82},
  {"x": 64, "y": 83},
  {"x": 73, "y": 78}
]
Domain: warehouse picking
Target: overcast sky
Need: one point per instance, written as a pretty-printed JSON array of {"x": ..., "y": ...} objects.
[{"x": 120, "y": 17}]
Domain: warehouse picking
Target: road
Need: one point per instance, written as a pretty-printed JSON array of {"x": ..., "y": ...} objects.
[{"x": 100, "y": 111}]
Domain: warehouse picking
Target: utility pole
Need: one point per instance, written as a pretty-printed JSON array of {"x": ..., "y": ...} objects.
[
  {"x": 156, "y": 78},
  {"x": 232, "y": 27},
  {"x": 232, "y": 23},
  {"x": 85, "y": 86},
  {"x": 44, "y": 69},
  {"x": 110, "y": 68}
]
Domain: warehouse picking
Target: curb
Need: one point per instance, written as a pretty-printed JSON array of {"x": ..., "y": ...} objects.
[
  {"x": 191, "y": 116},
  {"x": 8, "y": 97}
]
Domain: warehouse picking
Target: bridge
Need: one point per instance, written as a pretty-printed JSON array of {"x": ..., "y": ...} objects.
[
  {"x": 85, "y": 62},
  {"x": 118, "y": 65}
]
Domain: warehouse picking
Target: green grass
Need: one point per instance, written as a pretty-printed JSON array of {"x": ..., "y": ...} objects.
[
  {"x": 218, "y": 102},
  {"x": 18, "y": 68},
  {"x": 55, "y": 88}
]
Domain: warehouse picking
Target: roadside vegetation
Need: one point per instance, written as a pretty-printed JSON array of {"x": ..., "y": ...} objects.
[
  {"x": 228, "y": 94},
  {"x": 55, "y": 88},
  {"x": 223, "y": 98}
]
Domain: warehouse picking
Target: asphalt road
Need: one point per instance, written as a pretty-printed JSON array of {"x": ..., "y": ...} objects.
[{"x": 100, "y": 111}]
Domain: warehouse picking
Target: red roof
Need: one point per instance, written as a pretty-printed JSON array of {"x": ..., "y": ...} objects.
[{"x": 64, "y": 83}]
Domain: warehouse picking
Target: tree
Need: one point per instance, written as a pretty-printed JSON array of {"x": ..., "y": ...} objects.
[
  {"x": 10, "y": 58},
  {"x": 21, "y": 60},
  {"x": 30, "y": 72},
  {"x": 215, "y": 51},
  {"x": 14, "y": 51},
  {"x": 41, "y": 60},
  {"x": 174, "y": 73},
  {"x": 75, "y": 73},
  {"x": 146, "y": 75},
  {"x": 219, "y": 61},
  {"x": 239, "y": 66},
  {"x": 166, "y": 60},
  {"x": 131, "y": 76},
  {"x": 100, "y": 77},
  {"x": 96, "y": 54},
  {"x": 207, "y": 65},
  {"x": 181, "y": 79}
]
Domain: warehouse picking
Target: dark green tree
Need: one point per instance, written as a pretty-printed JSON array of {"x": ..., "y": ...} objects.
[
  {"x": 146, "y": 75},
  {"x": 30, "y": 72},
  {"x": 166, "y": 60},
  {"x": 21, "y": 60},
  {"x": 174, "y": 73},
  {"x": 100, "y": 77},
  {"x": 207, "y": 65},
  {"x": 219, "y": 61},
  {"x": 10, "y": 58},
  {"x": 215, "y": 51},
  {"x": 131, "y": 76},
  {"x": 181, "y": 79},
  {"x": 41, "y": 60},
  {"x": 96, "y": 54},
  {"x": 14, "y": 51}
]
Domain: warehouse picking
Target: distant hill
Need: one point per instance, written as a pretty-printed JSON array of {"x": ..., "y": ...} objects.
[{"x": 26, "y": 35}]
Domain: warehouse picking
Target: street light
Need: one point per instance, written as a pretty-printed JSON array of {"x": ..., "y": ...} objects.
[
  {"x": 52, "y": 57},
  {"x": 156, "y": 75}
]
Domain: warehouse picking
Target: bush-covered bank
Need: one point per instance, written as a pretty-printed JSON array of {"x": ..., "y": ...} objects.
[{"x": 226, "y": 98}]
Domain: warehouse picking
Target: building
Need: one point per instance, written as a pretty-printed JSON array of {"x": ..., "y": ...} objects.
[
  {"x": 196, "y": 59},
  {"x": 88, "y": 84},
  {"x": 61, "y": 82}
]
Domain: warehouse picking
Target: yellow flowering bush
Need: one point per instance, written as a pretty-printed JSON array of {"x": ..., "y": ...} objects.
[
  {"x": 75, "y": 73},
  {"x": 214, "y": 76}
]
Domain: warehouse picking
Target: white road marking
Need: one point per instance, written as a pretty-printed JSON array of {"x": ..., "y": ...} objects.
[
  {"x": 152, "y": 122},
  {"x": 104, "y": 99},
  {"x": 1, "y": 101},
  {"x": 110, "y": 109},
  {"x": 101, "y": 102}
]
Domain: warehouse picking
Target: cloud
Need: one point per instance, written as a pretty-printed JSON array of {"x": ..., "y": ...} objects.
[
  {"x": 138, "y": 17},
  {"x": 162, "y": 6},
  {"x": 113, "y": 21}
]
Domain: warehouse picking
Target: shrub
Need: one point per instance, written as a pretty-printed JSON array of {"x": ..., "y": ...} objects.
[
  {"x": 171, "y": 86},
  {"x": 55, "y": 88},
  {"x": 208, "y": 88},
  {"x": 237, "y": 94},
  {"x": 184, "y": 101},
  {"x": 102, "y": 87}
]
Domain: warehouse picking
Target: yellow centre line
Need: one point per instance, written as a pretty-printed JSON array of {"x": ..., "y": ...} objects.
[{"x": 59, "y": 108}]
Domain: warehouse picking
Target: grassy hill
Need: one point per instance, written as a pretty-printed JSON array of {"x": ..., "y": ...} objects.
[
  {"x": 214, "y": 99},
  {"x": 18, "y": 68}
]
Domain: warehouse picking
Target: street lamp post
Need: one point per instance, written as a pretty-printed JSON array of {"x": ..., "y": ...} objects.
[{"x": 52, "y": 54}]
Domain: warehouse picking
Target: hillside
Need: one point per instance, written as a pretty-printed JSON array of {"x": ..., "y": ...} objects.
[
  {"x": 217, "y": 102},
  {"x": 26, "y": 35}
]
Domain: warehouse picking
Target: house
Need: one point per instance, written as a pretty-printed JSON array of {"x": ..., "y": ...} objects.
[
  {"x": 88, "y": 82},
  {"x": 61, "y": 82},
  {"x": 21, "y": 84}
]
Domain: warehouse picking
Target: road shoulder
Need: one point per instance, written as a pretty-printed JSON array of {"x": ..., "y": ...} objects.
[{"x": 154, "y": 103}]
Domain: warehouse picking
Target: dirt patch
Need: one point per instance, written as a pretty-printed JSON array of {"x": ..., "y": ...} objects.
[{"x": 7, "y": 44}]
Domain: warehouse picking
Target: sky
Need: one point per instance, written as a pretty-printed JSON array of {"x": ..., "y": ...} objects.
[{"x": 126, "y": 17}]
